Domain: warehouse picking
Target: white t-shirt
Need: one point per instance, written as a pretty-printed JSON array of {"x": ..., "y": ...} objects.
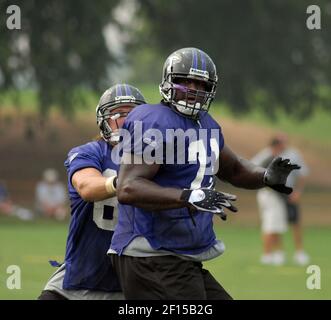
[
  {"x": 50, "y": 194},
  {"x": 290, "y": 153}
]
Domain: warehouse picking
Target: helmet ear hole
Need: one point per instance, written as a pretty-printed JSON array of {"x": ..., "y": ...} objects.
[{"x": 209, "y": 86}]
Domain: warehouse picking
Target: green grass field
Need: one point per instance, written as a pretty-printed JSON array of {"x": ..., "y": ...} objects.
[{"x": 31, "y": 244}]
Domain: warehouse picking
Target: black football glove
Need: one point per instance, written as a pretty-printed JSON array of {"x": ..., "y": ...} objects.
[
  {"x": 276, "y": 174},
  {"x": 212, "y": 185},
  {"x": 208, "y": 200}
]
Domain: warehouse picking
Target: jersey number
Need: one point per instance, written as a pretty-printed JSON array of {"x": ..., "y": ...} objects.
[
  {"x": 100, "y": 207},
  {"x": 196, "y": 150}
]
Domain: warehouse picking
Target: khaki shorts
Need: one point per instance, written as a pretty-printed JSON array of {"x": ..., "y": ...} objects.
[{"x": 272, "y": 211}]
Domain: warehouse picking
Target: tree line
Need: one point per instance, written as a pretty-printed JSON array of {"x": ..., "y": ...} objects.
[{"x": 264, "y": 52}]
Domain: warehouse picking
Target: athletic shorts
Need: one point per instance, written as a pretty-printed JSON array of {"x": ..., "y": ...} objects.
[
  {"x": 55, "y": 283},
  {"x": 293, "y": 213},
  {"x": 166, "y": 278},
  {"x": 51, "y": 295},
  {"x": 273, "y": 211}
]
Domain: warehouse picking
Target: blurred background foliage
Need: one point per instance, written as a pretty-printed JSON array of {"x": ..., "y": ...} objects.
[
  {"x": 59, "y": 50},
  {"x": 266, "y": 56}
]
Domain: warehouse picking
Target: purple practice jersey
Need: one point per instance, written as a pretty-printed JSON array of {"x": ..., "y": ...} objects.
[
  {"x": 187, "y": 161},
  {"x": 87, "y": 265}
]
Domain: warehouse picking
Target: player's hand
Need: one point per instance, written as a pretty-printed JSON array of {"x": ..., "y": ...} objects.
[
  {"x": 210, "y": 200},
  {"x": 276, "y": 174},
  {"x": 212, "y": 183}
]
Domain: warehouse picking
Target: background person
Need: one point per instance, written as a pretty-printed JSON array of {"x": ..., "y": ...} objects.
[
  {"x": 9, "y": 208},
  {"x": 51, "y": 196},
  {"x": 6, "y": 204},
  {"x": 273, "y": 212}
]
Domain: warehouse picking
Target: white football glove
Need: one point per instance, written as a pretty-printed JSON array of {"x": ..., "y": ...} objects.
[{"x": 208, "y": 200}]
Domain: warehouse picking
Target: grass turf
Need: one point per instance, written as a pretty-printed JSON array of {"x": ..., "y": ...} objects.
[{"x": 31, "y": 244}]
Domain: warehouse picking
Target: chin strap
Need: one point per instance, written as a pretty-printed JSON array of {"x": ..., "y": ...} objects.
[{"x": 187, "y": 108}]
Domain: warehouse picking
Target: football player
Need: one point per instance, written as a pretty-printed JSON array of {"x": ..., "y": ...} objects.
[
  {"x": 87, "y": 272},
  {"x": 165, "y": 228}
]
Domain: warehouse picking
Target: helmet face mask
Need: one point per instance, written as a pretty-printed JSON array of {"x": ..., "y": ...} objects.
[
  {"x": 121, "y": 96},
  {"x": 189, "y": 64},
  {"x": 106, "y": 131}
]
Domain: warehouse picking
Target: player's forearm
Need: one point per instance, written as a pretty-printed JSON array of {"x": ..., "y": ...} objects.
[
  {"x": 93, "y": 189},
  {"x": 244, "y": 174},
  {"x": 148, "y": 195},
  {"x": 238, "y": 171}
]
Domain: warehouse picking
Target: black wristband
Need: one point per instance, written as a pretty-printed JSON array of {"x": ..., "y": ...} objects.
[{"x": 185, "y": 195}]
